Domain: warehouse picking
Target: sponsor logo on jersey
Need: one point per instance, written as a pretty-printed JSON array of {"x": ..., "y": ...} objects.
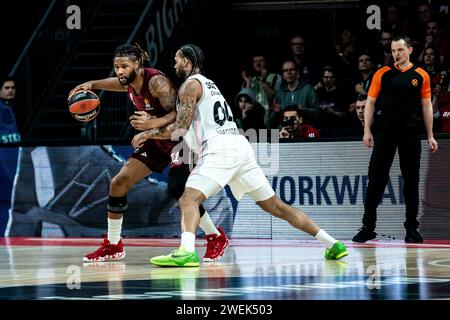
[
  {"x": 148, "y": 106},
  {"x": 210, "y": 85},
  {"x": 414, "y": 82}
]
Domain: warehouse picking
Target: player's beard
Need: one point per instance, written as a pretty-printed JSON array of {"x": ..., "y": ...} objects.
[
  {"x": 129, "y": 79},
  {"x": 181, "y": 74}
]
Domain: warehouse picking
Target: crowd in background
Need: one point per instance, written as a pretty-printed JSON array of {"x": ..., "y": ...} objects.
[{"x": 308, "y": 98}]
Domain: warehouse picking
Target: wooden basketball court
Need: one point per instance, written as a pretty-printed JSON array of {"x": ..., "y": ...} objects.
[{"x": 48, "y": 269}]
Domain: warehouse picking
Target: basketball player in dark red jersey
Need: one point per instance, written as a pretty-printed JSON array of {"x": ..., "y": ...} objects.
[{"x": 154, "y": 96}]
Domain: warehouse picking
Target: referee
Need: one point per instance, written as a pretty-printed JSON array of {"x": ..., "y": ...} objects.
[{"x": 405, "y": 98}]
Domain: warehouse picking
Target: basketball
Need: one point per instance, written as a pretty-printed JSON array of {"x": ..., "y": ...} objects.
[{"x": 84, "y": 106}]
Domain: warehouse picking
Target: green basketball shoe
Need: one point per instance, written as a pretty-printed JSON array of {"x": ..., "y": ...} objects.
[
  {"x": 177, "y": 258},
  {"x": 336, "y": 252}
]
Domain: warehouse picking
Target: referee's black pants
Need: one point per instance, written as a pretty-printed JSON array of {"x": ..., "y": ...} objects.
[{"x": 409, "y": 150}]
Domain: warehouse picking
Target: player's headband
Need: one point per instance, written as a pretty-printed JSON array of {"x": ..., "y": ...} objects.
[{"x": 193, "y": 53}]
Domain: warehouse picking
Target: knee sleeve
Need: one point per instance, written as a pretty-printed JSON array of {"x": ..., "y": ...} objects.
[
  {"x": 117, "y": 204},
  {"x": 202, "y": 210},
  {"x": 176, "y": 181}
]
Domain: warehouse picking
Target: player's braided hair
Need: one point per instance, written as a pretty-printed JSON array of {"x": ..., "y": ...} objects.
[
  {"x": 134, "y": 52},
  {"x": 194, "y": 54}
]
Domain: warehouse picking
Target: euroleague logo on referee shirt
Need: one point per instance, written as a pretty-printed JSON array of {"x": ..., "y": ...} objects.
[{"x": 414, "y": 82}]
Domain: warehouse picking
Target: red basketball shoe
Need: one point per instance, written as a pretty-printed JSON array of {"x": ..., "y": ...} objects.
[
  {"x": 215, "y": 246},
  {"x": 106, "y": 252}
]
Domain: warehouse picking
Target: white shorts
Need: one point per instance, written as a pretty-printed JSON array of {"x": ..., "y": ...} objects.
[{"x": 229, "y": 159}]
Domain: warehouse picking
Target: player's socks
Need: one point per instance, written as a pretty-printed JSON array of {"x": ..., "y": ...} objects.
[
  {"x": 188, "y": 241},
  {"x": 114, "y": 230},
  {"x": 207, "y": 225},
  {"x": 325, "y": 238}
]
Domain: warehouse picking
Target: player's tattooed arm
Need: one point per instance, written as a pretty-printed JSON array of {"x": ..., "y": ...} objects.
[
  {"x": 190, "y": 93},
  {"x": 162, "y": 89}
]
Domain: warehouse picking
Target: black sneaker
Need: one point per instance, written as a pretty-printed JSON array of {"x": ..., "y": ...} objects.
[
  {"x": 364, "y": 235},
  {"x": 413, "y": 236}
]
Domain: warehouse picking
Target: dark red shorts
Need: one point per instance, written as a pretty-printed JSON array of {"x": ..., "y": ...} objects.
[{"x": 155, "y": 154}]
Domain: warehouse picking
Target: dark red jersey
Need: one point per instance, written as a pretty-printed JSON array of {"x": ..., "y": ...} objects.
[
  {"x": 144, "y": 101},
  {"x": 156, "y": 154}
]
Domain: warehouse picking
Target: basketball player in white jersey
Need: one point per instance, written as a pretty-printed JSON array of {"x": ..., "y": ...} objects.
[{"x": 205, "y": 121}]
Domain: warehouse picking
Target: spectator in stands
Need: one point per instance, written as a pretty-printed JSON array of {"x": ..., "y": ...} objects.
[
  {"x": 295, "y": 90},
  {"x": 263, "y": 83},
  {"x": 430, "y": 62},
  {"x": 345, "y": 49},
  {"x": 441, "y": 104},
  {"x": 355, "y": 125},
  {"x": 394, "y": 20},
  {"x": 9, "y": 133},
  {"x": 294, "y": 126},
  {"x": 383, "y": 55},
  {"x": 436, "y": 39},
  {"x": 365, "y": 74},
  {"x": 250, "y": 113},
  {"x": 301, "y": 56},
  {"x": 360, "y": 107},
  {"x": 424, "y": 14},
  {"x": 334, "y": 101}
]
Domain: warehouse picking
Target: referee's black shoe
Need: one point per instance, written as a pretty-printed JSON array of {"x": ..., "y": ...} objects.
[
  {"x": 364, "y": 235},
  {"x": 413, "y": 236}
]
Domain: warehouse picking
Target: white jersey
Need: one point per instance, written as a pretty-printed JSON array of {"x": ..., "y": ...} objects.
[{"x": 212, "y": 117}]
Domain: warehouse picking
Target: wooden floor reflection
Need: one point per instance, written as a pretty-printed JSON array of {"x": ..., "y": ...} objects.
[{"x": 49, "y": 269}]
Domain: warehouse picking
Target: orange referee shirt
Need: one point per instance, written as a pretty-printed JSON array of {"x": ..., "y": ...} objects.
[{"x": 400, "y": 93}]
